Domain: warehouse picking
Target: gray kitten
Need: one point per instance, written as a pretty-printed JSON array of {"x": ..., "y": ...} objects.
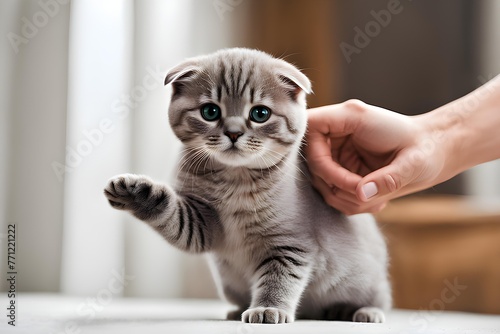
[{"x": 244, "y": 197}]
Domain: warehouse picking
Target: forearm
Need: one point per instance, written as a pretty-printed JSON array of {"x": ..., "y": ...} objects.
[{"x": 468, "y": 128}]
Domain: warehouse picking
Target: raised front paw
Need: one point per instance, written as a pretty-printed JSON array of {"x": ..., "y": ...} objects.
[
  {"x": 266, "y": 315},
  {"x": 369, "y": 314},
  {"x": 137, "y": 194}
]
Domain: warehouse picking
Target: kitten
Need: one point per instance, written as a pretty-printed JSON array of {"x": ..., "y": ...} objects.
[{"x": 244, "y": 197}]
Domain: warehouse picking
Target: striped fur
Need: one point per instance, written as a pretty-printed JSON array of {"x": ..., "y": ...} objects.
[{"x": 243, "y": 196}]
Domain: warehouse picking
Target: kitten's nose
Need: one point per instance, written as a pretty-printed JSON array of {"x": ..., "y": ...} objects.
[{"x": 233, "y": 135}]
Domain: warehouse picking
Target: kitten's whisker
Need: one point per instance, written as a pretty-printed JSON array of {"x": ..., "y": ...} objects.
[
  {"x": 203, "y": 157},
  {"x": 196, "y": 154},
  {"x": 302, "y": 144},
  {"x": 262, "y": 169},
  {"x": 285, "y": 161}
]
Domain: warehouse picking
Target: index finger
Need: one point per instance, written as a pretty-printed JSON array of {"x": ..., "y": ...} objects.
[
  {"x": 322, "y": 124},
  {"x": 321, "y": 163}
]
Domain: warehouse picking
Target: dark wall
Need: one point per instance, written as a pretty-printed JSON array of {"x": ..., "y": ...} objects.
[
  {"x": 420, "y": 55},
  {"x": 423, "y": 58},
  {"x": 414, "y": 56}
]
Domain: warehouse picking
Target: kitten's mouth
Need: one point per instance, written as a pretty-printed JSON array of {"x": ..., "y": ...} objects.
[
  {"x": 234, "y": 156},
  {"x": 233, "y": 150}
]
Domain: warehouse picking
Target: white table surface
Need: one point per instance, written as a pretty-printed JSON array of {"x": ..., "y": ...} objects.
[{"x": 56, "y": 314}]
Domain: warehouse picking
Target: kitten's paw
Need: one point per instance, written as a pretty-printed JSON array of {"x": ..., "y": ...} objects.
[
  {"x": 369, "y": 314},
  {"x": 266, "y": 315},
  {"x": 137, "y": 194}
]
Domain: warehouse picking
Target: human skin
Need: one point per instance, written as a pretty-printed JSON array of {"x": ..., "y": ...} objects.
[{"x": 361, "y": 156}]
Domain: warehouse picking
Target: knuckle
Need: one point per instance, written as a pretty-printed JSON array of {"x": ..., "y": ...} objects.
[
  {"x": 392, "y": 182},
  {"x": 375, "y": 209},
  {"x": 356, "y": 208},
  {"x": 355, "y": 105},
  {"x": 344, "y": 181}
]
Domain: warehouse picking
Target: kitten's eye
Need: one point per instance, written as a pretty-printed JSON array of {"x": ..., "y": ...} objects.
[
  {"x": 260, "y": 114},
  {"x": 210, "y": 112}
]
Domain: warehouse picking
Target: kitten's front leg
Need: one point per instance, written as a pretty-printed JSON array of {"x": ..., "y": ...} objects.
[
  {"x": 280, "y": 281},
  {"x": 186, "y": 221}
]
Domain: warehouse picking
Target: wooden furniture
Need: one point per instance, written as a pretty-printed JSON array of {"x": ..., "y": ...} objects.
[{"x": 445, "y": 252}]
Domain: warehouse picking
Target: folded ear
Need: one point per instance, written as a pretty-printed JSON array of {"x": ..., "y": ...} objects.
[
  {"x": 293, "y": 80},
  {"x": 179, "y": 75}
]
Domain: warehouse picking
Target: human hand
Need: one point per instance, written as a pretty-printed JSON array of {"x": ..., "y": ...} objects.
[{"x": 361, "y": 156}]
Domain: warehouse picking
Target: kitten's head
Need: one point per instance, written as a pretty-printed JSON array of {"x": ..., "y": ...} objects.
[{"x": 240, "y": 107}]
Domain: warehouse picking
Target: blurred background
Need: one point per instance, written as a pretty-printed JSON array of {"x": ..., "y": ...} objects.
[{"x": 82, "y": 99}]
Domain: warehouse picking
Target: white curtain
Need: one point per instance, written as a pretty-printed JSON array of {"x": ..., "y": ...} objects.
[
  {"x": 33, "y": 112},
  {"x": 83, "y": 99},
  {"x": 97, "y": 141}
]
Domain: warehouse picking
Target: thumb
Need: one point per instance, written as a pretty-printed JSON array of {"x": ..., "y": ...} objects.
[{"x": 384, "y": 181}]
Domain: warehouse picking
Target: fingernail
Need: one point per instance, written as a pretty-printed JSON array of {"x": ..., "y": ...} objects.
[{"x": 369, "y": 190}]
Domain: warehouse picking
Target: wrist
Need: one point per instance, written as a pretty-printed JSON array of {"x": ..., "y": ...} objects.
[
  {"x": 441, "y": 139},
  {"x": 476, "y": 128},
  {"x": 467, "y": 129}
]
